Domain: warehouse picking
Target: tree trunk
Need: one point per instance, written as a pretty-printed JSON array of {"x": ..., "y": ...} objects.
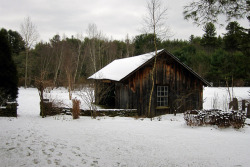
[
  {"x": 154, "y": 66},
  {"x": 248, "y": 111},
  {"x": 58, "y": 68},
  {"x": 243, "y": 105},
  {"x": 69, "y": 83},
  {"x": 77, "y": 63},
  {"x": 26, "y": 68}
]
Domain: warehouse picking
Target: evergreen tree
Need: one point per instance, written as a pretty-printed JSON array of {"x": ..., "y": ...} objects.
[
  {"x": 145, "y": 43},
  {"x": 16, "y": 42},
  {"x": 8, "y": 72},
  {"x": 218, "y": 70},
  {"x": 233, "y": 37},
  {"x": 185, "y": 54},
  {"x": 209, "y": 38}
]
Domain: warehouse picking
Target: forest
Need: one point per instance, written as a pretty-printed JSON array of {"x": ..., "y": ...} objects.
[{"x": 68, "y": 61}]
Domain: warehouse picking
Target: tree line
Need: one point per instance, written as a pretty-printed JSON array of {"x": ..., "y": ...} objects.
[
  {"x": 67, "y": 61},
  {"x": 221, "y": 60}
]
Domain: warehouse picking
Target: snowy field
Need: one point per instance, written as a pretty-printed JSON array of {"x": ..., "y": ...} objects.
[{"x": 30, "y": 140}]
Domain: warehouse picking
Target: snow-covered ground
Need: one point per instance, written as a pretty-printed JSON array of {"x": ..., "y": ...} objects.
[{"x": 30, "y": 140}]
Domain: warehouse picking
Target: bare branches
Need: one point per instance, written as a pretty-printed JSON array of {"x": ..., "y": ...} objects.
[
  {"x": 95, "y": 46},
  {"x": 155, "y": 20},
  {"x": 29, "y": 33},
  {"x": 87, "y": 94},
  {"x": 79, "y": 53},
  {"x": 156, "y": 25},
  {"x": 93, "y": 35}
]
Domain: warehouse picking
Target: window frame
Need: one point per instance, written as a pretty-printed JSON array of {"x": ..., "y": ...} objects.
[{"x": 162, "y": 94}]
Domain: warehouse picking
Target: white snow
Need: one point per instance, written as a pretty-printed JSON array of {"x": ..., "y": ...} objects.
[
  {"x": 120, "y": 68},
  {"x": 30, "y": 140},
  {"x": 219, "y": 96}
]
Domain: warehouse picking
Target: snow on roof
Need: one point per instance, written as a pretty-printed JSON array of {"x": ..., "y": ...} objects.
[{"x": 120, "y": 68}]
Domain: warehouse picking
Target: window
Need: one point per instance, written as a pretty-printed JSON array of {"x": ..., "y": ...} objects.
[{"x": 162, "y": 95}]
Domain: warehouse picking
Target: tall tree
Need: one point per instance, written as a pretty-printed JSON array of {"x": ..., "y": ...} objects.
[
  {"x": 216, "y": 73},
  {"x": 155, "y": 23},
  {"x": 58, "y": 56},
  {"x": 209, "y": 38},
  {"x": 69, "y": 67},
  {"x": 94, "y": 46},
  {"x": 30, "y": 35},
  {"x": 79, "y": 53},
  {"x": 8, "y": 72},
  {"x": 43, "y": 61},
  {"x": 73, "y": 54},
  {"x": 234, "y": 36},
  {"x": 204, "y": 11},
  {"x": 145, "y": 43},
  {"x": 129, "y": 47},
  {"x": 16, "y": 42}
]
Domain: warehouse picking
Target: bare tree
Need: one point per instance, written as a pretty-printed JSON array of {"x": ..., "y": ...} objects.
[
  {"x": 129, "y": 47},
  {"x": 92, "y": 34},
  {"x": 155, "y": 23},
  {"x": 87, "y": 94},
  {"x": 95, "y": 46},
  {"x": 45, "y": 60},
  {"x": 58, "y": 56},
  {"x": 155, "y": 20},
  {"x": 69, "y": 67},
  {"x": 42, "y": 82},
  {"x": 79, "y": 54},
  {"x": 30, "y": 35}
]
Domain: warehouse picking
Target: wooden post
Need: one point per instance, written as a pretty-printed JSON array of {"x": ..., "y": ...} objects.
[
  {"x": 234, "y": 104},
  {"x": 243, "y": 105},
  {"x": 248, "y": 111}
]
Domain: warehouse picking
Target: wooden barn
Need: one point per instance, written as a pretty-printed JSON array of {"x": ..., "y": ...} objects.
[{"x": 126, "y": 84}]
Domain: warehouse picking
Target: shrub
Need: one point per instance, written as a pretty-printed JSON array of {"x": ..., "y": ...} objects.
[
  {"x": 220, "y": 118},
  {"x": 76, "y": 108},
  {"x": 49, "y": 108},
  {"x": 8, "y": 72}
]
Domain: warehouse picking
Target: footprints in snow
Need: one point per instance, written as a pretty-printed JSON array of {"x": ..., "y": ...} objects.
[{"x": 38, "y": 150}]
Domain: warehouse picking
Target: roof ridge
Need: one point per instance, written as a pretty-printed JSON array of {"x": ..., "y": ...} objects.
[{"x": 120, "y": 69}]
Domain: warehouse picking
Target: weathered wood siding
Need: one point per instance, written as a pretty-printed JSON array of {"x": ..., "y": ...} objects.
[{"x": 134, "y": 91}]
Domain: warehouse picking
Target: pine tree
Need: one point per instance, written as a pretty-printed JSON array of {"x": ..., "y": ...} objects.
[
  {"x": 234, "y": 36},
  {"x": 209, "y": 38}
]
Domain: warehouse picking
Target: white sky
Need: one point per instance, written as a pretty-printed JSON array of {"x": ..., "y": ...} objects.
[{"x": 115, "y": 18}]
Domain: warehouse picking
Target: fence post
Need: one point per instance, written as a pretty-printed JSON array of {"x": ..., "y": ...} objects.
[
  {"x": 234, "y": 104},
  {"x": 248, "y": 111},
  {"x": 243, "y": 105}
]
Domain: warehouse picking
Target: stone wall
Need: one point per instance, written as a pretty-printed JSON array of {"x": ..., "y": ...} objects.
[{"x": 105, "y": 112}]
